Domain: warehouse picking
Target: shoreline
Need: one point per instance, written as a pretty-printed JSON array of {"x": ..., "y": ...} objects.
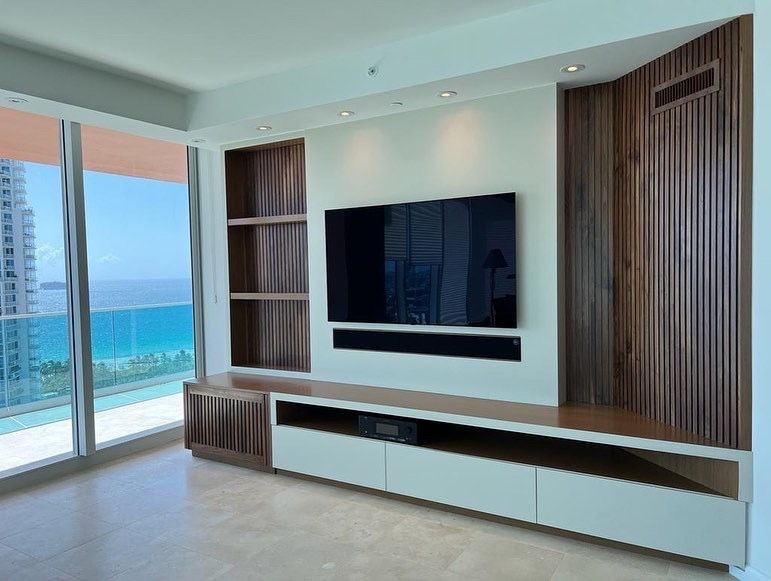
[{"x": 125, "y": 359}]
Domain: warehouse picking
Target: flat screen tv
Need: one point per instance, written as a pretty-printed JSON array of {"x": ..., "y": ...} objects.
[{"x": 442, "y": 262}]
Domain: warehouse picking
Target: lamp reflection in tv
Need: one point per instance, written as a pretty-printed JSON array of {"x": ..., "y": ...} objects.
[{"x": 494, "y": 261}]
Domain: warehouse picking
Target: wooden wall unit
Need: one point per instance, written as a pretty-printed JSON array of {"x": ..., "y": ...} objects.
[
  {"x": 268, "y": 254},
  {"x": 658, "y": 232},
  {"x": 549, "y": 466}
]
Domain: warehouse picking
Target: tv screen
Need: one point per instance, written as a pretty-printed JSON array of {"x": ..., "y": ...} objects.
[{"x": 443, "y": 262}]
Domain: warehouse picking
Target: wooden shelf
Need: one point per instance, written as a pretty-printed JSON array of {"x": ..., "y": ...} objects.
[
  {"x": 268, "y": 257},
  {"x": 264, "y": 220},
  {"x": 571, "y": 416},
  {"x": 270, "y": 334},
  {"x": 269, "y": 296}
]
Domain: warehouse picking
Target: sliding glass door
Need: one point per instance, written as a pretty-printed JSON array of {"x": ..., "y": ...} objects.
[
  {"x": 101, "y": 257},
  {"x": 35, "y": 379},
  {"x": 139, "y": 267}
]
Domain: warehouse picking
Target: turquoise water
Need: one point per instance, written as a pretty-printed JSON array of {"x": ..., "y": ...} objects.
[
  {"x": 123, "y": 337},
  {"x": 120, "y": 333}
]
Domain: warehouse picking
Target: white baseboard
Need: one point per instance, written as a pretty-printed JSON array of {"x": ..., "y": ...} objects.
[{"x": 748, "y": 574}]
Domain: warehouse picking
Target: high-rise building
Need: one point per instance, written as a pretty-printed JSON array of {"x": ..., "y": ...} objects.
[{"x": 19, "y": 362}]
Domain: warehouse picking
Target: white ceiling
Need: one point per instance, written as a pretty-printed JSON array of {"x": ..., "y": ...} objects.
[
  {"x": 218, "y": 69},
  {"x": 198, "y": 45},
  {"x": 603, "y": 63}
]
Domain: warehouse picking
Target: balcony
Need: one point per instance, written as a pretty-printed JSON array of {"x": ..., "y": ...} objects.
[{"x": 140, "y": 357}]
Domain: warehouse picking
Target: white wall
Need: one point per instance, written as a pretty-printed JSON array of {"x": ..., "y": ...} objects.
[
  {"x": 760, "y": 510},
  {"x": 214, "y": 256},
  {"x": 497, "y": 144}
]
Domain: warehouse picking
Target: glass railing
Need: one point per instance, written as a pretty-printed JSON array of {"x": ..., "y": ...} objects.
[{"x": 132, "y": 348}]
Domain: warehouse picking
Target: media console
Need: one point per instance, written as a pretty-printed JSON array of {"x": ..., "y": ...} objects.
[{"x": 602, "y": 473}]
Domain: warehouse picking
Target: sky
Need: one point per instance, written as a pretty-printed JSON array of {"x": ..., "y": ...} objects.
[{"x": 136, "y": 228}]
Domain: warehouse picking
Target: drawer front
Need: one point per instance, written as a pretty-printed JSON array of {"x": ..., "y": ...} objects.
[
  {"x": 685, "y": 523},
  {"x": 344, "y": 458},
  {"x": 490, "y": 486}
]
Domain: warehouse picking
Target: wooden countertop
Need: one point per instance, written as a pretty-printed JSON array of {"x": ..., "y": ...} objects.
[{"x": 601, "y": 419}]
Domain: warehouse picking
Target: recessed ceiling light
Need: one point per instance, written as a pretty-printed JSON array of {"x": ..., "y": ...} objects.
[
  {"x": 572, "y": 68},
  {"x": 446, "y": 94},
  {"x": 264, "y": 128},
  {"x": 397, "y": 104},
  {"x": 17, "y": 100},
  {"x": 198, "y": 140},
  {"x": 346, "y": 113}
]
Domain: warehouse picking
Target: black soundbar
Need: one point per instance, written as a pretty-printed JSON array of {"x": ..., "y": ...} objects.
[{"x": 446, "y": 344}]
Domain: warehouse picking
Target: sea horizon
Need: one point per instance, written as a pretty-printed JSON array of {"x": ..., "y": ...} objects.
[{"x": 123, "y": 333}]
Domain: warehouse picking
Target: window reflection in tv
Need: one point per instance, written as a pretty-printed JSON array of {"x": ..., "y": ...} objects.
[{"x": 444, "y": 262}]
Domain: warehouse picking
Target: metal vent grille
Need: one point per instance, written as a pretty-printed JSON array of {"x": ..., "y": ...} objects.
[{"x": 680, "y": 90}]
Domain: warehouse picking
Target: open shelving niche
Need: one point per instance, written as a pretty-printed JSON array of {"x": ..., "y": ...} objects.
[
  {"x": 268, "y": 256},
  {"x": 577, "y": 456}
]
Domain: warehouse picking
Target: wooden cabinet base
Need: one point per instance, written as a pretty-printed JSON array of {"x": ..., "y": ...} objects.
[
  {"x": 217, "y": 455},
  {"x": 228, "y": 425}
]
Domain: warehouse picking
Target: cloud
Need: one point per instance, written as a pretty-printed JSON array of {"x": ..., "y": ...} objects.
[
  {"x": 48, "y": 253},
  {"x": 110, "y": 258}
]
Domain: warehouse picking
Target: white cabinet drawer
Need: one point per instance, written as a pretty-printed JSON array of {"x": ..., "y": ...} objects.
[
  {"x": 490, "y": 486},
  {"x": 337, "y": 457},
  {"x": 677, "y": 521}
]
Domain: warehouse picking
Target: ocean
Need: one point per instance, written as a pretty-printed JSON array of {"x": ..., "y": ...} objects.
[
  {"x": 122, "y": 293},
  {"x": 118, "y": 332}
]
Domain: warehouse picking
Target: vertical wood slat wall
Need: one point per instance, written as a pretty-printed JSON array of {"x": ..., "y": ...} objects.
[
  {"x": 589, "y": 243},
  {"x": 264, "y": 258},
  {"x": 268, "y": 256},
  {"x": 677, "y": 207}
]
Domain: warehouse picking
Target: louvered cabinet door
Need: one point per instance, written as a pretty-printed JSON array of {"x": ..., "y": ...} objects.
[{"x": 228, "y": 425}]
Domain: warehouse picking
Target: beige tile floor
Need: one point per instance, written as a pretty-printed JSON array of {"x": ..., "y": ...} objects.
[
  {"x": 165, "y": 515},
  {"x": 50, "y": 440}
]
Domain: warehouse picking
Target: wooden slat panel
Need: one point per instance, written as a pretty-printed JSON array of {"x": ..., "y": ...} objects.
[
  {"x": 231, "y": 427},
  {"x": 680, "y": 214},
  {"x": 265, "y": 182},
  {"x": 589, "y": 249},
  {"x": 272, "y": 334},
  {"x": 269, "y": 259}
]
